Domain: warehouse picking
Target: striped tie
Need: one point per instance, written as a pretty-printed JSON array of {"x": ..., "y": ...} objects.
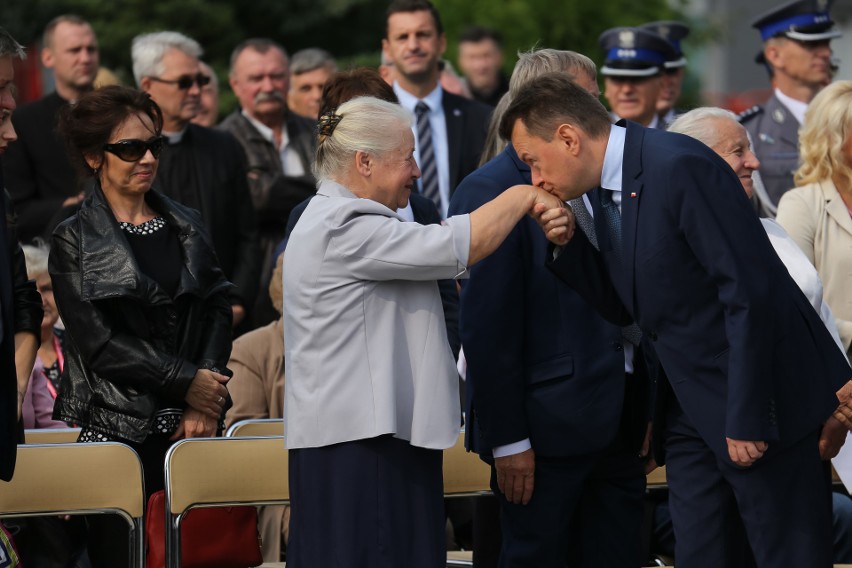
[{"x": 428, "y": 165}]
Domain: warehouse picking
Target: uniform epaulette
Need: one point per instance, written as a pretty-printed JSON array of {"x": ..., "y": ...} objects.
[{"x": 750, "y": 113}]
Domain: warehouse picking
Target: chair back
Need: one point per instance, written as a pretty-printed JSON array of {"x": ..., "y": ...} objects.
[
  {"x": 51, "y": 435},
  {"x": 464, "y": 473},
  {"x": 256, "y": 427},
  {"x": 66, "y": 479}
]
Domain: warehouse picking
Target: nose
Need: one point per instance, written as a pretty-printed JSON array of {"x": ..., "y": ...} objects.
[
  {"x": 416, "y": 173},
  {"x": 751, "y": 161},
  {"x": 148, "y": 158},
  {"x": 9, "y": 134},
  {"x": 537, "y": 180}
]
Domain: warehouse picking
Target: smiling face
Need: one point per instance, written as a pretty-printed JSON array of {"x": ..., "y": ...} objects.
[
  {"x": 414, "y": 46},
  {"x": 122, "y": 178},
  {"x": 393, "y": 175},
  {"x": 733, "y": 146},
  {"x": 633, "y": 98}
]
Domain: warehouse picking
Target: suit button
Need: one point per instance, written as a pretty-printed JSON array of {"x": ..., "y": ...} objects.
[{"x": 617, "y": 345}]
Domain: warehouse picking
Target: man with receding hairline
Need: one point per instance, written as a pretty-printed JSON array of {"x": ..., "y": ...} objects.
[
  {"x": 39, "y": 176},
  {"x": 752, "y": 378}
]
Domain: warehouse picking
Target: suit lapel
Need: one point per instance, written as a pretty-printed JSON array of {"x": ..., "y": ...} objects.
[
  {"x": 631, "y": 191},
  {"x": 835, "y": 207},
  {"x": 454, "y": 118}
]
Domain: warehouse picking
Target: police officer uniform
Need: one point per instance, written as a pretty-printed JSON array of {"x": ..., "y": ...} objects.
[
  {"x": 773, "y": 127},
  {"x": 635, "y": 53},
  {"x": 674, "y": 33}
]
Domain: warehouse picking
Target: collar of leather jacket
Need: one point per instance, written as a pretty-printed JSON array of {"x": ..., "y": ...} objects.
[{"x": 109, "y": 269}]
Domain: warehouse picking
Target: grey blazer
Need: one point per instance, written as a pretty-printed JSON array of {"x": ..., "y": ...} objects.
[{"x": 366, "y": 349}]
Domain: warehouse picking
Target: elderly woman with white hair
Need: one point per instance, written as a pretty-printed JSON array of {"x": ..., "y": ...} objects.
[{"x": 372, "y": 389}]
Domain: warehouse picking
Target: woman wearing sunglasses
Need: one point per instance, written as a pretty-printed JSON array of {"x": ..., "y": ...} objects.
[{"x": 144, "y": 302}]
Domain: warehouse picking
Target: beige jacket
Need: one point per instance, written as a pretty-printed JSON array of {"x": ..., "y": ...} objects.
[{"x": 818, "y": 220}]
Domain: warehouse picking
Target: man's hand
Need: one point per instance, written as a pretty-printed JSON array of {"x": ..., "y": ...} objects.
[
  {"x": 844, "y": 412},
  {"x": 194, "y": 424},
  {"x": 745, "y": 452},
  {"x": 645, "y": 453},
  {"x": 515, "y": 476},
  {"x": 831, "y": 438}
]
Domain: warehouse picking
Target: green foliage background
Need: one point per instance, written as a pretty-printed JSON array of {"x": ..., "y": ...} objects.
[{"x": 349, "y": 29}]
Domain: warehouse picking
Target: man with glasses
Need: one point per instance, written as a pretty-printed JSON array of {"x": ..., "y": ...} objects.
[
  {"x": 796, "y": 48},
  {"x": 40, "y": 178},
  {"x": 202, "y": 168},
  {"x": 279, "y": 145}
]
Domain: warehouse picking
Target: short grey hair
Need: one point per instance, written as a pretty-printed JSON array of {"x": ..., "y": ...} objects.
[
  {"x": 366, "y": 125},
  {"x": 36, "y": 256},
  {"x": 9, "y": 47},
  {"x": 697, "y": 124},
  {"x": 310, "y": 59},
  {"x": 258, "y": 44},
  {"x": 536, "y": 62},
  {"x": 148, "y": 50}
]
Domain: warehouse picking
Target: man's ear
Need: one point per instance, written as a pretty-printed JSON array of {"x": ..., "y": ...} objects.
[
  {"x": 145, "y": 84},
  {"x": 47, "y": 57},
  {"x": 570, "y": 138}
]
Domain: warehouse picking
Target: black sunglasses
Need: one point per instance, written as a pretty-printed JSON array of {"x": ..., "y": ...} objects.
[
  {"x": 185, "y": 82},
  {"x": 134, "y": 150}
]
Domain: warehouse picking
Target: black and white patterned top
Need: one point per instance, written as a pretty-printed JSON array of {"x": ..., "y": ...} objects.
[{"x": 146, "y": 228}]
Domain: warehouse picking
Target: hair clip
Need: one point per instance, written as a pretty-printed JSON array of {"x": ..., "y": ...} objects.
[{"x": 327, "y": 123}]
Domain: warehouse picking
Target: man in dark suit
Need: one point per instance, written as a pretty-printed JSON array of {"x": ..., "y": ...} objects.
[
  {"x": 552, "y": 397},
  {"x": 753, "y": 377},
  {"x": 202, "y": 168},
  {"x": 39, "y": 174},
  {"x": 20, "y": 303},
  {"x": 797, "y": 51},
  {"x": 449, "y": 130}
]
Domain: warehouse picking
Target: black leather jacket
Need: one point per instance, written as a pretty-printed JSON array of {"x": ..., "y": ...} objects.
[{"x": 131, "y": 349}]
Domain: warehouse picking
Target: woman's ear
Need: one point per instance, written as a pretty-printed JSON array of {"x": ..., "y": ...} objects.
[
  {"x": 363, "y": 163},
  {"x": 93, "y": 162}
]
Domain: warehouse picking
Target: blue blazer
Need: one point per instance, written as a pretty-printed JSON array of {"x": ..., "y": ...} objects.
[
  {"x": 745, "y": 353},
  {"x": 542, "y": 364}
]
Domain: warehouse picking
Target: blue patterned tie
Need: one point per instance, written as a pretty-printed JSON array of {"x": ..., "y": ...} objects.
[
  {"x": 428, "y": 165},
  {"x": 612, "y": 217}
]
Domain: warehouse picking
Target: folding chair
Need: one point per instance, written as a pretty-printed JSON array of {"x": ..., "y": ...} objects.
[
  {"x": 465, "y": 475},
  {"x": 221, "y": 472},
  {"x": 256, "y": 427},
  {"x": 78, "y": 479},
  {"x": 51, "y": 435}
]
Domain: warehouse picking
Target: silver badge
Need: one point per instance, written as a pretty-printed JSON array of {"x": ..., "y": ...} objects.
[
  {"x": 664, "y": 31},
  {"x": 778, "y": 116},
  {"x": 626, "y": 38}
]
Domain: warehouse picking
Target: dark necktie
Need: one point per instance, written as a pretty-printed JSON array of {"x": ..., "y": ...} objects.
[
  {"x": 612, "y": 218},
  {"x": 428, "y": 165},
  {"x": 584, "y": 219}
]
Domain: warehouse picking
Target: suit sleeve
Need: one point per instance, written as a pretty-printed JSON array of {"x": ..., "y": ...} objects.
[
  {"x": 247, "y": 387},
  {"x": 114, "y": 355},
  {"x": 711, "y": 210},
  {"x": 26, "y": 300},
  {"x": 492, "y": 329}
]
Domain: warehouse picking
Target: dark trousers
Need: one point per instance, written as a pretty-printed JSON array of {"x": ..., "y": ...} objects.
[
  {"x": 375, "y": 503},
  {"x": 781, "y": 506},
  {"x": 585, "y": 511}
]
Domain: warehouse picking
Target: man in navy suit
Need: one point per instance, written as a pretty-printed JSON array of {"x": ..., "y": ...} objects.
[
  {"x": 415, "y": 42},
  {"x": 753, "y": 377},
  {"x": 553, "y": 403}
]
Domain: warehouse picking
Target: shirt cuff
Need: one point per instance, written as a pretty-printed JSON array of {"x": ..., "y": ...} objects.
[{"x": 511, "y": 449}]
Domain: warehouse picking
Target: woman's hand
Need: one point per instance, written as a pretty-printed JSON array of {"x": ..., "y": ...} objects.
[
  {"x": 207, "y": 392},
  {"x": 195, "y": 424},
  {"x": 554, "y": 217}
]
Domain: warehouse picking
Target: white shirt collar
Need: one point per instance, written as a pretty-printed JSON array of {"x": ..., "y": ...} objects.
[
  {"x": 264, "y": 130},
  {"x": 611, "y": 174},
  {"x": 796, "y": 108},
  {"x": 409, "y": 101}
]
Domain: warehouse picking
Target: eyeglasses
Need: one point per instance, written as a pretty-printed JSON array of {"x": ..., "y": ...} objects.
[
  {"x": 134, "y": 150},
  {"x": 184, "y": 82}
]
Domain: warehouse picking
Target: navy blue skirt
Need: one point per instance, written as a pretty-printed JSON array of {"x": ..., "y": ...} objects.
[{"x": 374, "y": 503}]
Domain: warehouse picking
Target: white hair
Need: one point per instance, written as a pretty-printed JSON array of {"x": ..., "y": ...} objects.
[
  {"x": 698, "y": 124},
  {"x": 148, "y": 50},
  {"x": 36, "y": 256},
  {"x": 366, "y": 125}
]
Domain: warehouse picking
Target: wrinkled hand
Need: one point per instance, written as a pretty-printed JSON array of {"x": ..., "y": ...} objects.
[
  {"x": 554, "y": 217},
  {"x": 515, "y": 476},
  {"x": 195, "y": 424},
  {"x": 745, "y": 452},
  {"x": 831, "y": 438},
  {"x": 844, "y": 412},
  {"x": 645, "y": 452},
  {"x": 207, "y": 392}
]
